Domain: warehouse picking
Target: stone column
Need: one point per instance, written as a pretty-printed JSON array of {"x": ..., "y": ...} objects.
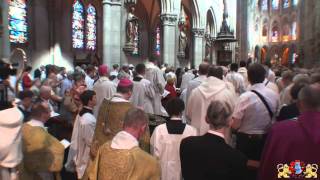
[
  {"x": 198, "y": 35},
  {"x": 111, "y": 32},
  {"x": 169, "y": 25},
  {"x": 5, "y": 42}
]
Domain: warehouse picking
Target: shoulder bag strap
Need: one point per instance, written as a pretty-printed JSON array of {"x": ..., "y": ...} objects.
[{"x": 264, "y": 102}]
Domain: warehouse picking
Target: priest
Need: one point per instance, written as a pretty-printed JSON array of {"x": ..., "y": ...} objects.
[
  {"x": 121, "y": 158},
  {"x": 42, "y": 153},
  {"x": 111, "y": 115},
  {"x": 299, "y": 140},
  {"x": 156, "y": 77}
]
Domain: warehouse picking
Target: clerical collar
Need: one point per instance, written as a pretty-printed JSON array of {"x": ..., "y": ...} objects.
[
  {"x": 124, "y": 140},
  {"x": 84, "y": 110},
  {"x": 118, "y": 98},
  {"x": 36, "y": 123},
  {"x": 216, "y": 133},
  {"x": 175, "y": 126},
  {"x": 176, "y": 119},
  {"x": 138, "y": 78}
]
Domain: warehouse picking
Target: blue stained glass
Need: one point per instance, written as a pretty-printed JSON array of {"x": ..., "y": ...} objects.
[
  {"x": 264, "y": 5},
  {"x": 18, "y": 26},
  {"x": 286, "y": 3},
  {"x": 158, "y": 41},
  {"x": 275, "y": 4},
  {"x": 91, "y": 28},
  {"x": 77, "y": 25}
]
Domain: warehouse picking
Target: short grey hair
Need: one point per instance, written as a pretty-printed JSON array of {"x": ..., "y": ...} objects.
[
  {"x": 310, "y": 96},
  {"x": 135, "y": 118},
  {"x": 218, "y": 114}
]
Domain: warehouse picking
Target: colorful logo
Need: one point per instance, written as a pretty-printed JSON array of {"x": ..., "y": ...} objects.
[{"x": 297, "y": 169}]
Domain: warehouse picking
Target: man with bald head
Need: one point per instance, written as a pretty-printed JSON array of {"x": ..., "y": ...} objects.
[
  {"x": 45, "y": 95},
  {"x": 294, "y": 140}
]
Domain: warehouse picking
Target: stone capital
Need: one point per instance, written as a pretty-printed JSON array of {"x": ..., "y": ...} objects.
[
  {"x": 112, "y": 2},
  {"x": 168, "y": 19},
  {"x": 197, "y": 32}
]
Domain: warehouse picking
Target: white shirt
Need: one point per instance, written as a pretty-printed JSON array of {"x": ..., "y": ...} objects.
[
  {"x": 251, "y": 111},
  {"x": 89, "y": 82},
  {"x": 216, "y": 133},
  {"x": 124, "y": 140}
]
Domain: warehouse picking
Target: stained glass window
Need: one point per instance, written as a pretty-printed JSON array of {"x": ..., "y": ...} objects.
[
  {"x": 136, "y": 40},
  {"x": 275, "y": 34},
  {"x": 275, "y": 4},
  {"x": 294, "y": 31},
  {"x": 158, "y": 41},
  {"x": 78, "y": 25},
  {"x": 264, "y": 5},
  {"x": 18, "y": 27},
  {"x": 295, "y": 2},
  {"x": 91, "y": 28},
  {"x": 286, "y": 3}
]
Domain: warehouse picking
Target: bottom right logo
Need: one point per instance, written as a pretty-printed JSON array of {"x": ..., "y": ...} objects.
[{"x": 297, "y": 169}]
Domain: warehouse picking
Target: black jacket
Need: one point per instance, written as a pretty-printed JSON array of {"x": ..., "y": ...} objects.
[{"x": 208, "y": 157}]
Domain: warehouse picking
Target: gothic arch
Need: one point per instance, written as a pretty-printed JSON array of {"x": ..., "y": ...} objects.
[
  {"x": 196, "y": 21},
  {"x": 211, "y": 20}
]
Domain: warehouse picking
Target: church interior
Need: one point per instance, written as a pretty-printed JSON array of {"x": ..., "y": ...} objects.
[
  {"x": 159, "y": 89},
  {"x": 176, "y": 32}
]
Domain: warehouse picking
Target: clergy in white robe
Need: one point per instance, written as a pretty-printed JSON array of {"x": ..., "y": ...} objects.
[
  {"x": 79, "y": 153},
  {"x": 156, "y": 77},
  {"x": 236, "y": 79},
  {"x": 10, "y": 142},
  {"x": 166, "y": 138},
  {"x": 143, "y": 91},
  {"x": 211, "y": 89},
  {"x": 244, "y": 72},
  {"x": 186, "y": 78},
  {"x": 104, "y": 88},
  {"x": 194, "y": 83}
]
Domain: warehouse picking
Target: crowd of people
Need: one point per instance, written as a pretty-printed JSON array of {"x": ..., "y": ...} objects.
[{"x": 241, "y": 122}]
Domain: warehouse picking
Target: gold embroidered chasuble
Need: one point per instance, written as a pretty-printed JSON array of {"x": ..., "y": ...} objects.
[
  {"x": 41, "y": 153},
  {"x": 132, "y": 164},
  {"x": 110, "y": 122}
]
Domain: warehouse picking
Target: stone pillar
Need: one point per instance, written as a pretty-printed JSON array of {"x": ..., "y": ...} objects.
[
  {"x": 111, "y": 32},
  {"x": 169, "y": 25},
  {"x": 5, "y": 42},
  {"x": 198, "y": 35}
]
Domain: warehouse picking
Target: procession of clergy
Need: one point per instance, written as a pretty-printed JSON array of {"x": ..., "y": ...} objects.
[{"x": 237, "y": 123}]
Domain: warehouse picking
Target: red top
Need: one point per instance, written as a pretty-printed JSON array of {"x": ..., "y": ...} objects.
[{"x": 26, "y": 81}]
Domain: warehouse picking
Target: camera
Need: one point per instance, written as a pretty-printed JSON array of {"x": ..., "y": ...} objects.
[{"x": 5, "y": 72}]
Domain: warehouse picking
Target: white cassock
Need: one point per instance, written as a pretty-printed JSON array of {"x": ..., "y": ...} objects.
[
  {"x": 155, "y": 76},
  {"x": 210, "y": 90},
  {"x": 166, "y": 147},
  {"x": 79, "y": 153},
  {"x": 194, "y": 83},
  {"x": 186, "y": 78},
  {"x": 10, "y": 142},
  {"x": 104, "y": 88},
  {"x": 142, "y": 95},
  {"x": 244, "y": 73}
]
